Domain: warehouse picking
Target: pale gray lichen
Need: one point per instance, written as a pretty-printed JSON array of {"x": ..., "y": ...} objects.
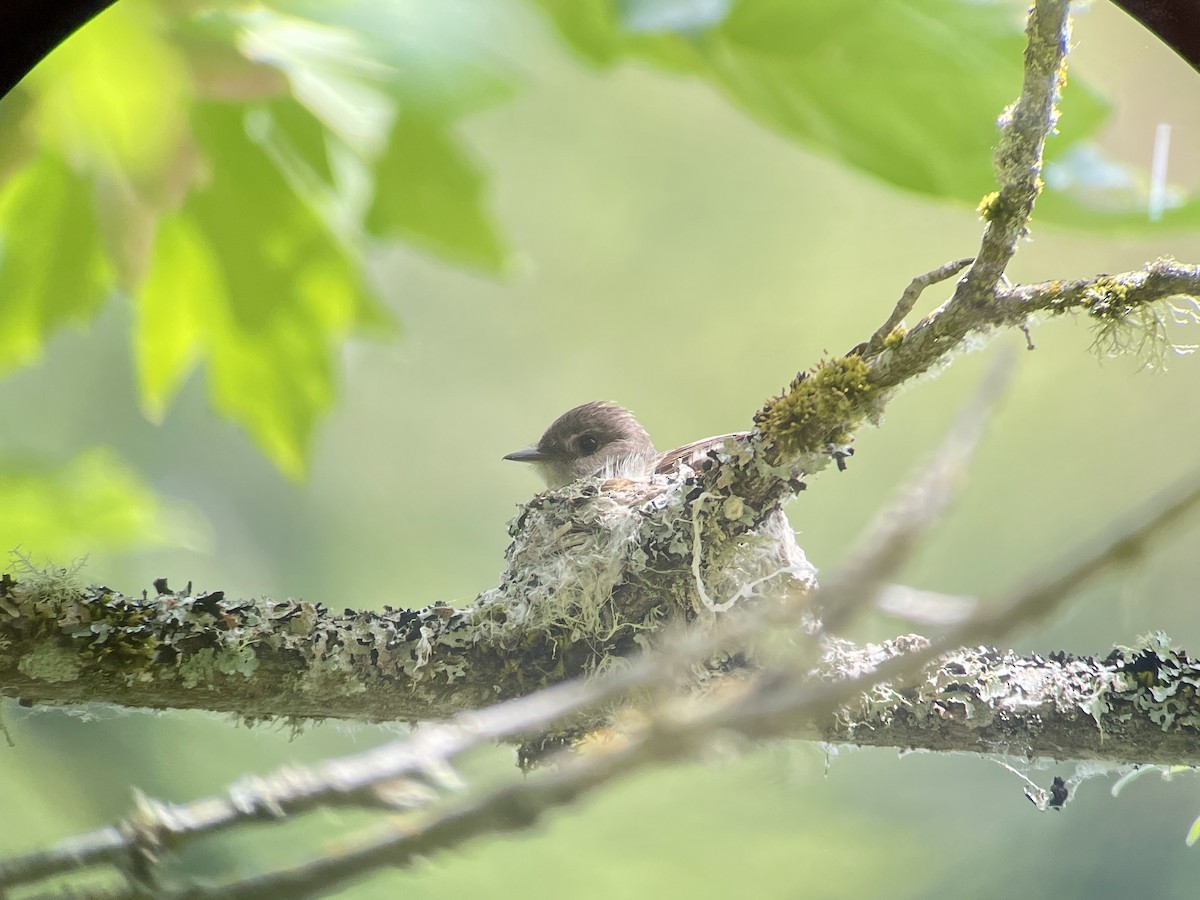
[
  {"x": 197, "y": 668},
  {"x": 567, "y": 557},
  {"x": 1124, "y": 326},
  {"x": 51, "y": 663},
  {"x": 40, "y": 585},
  {"x": 1142, "y": 698},
  {"x": 237, "y": 660}
]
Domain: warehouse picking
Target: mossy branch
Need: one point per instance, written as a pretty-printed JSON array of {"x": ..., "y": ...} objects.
[
  {"x": 1136, "y": 705},
  {"x": 639, "y": 554}
]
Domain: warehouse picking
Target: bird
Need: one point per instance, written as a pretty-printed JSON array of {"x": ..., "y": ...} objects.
[{"x": 604, "y": 438}]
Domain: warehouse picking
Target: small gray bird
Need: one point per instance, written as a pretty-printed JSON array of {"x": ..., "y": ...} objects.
[{"x": 602, "y": 438}]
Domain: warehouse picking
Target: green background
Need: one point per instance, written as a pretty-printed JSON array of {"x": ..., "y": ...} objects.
[{"x": 670, "y": 253}]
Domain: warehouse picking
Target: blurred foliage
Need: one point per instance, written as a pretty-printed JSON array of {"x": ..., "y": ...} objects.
[
  {"x": 906, "y": 91},
  {"x": 187, "y": 158},
  {"x": 226, "y": 164},
  {"x": 263, "y": 294},
  {"x": 92, "y": 504},
  {"x": 843, "y": 81},
  {"x": 43, "y": 212}
]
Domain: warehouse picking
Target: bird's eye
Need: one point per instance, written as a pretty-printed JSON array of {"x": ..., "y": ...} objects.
[{"x": 588, "y": 444}]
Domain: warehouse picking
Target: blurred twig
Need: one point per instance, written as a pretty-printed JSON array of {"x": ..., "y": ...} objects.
[
  {"x": 922, "y": 503},
  {"x": 783, "y": 699}
]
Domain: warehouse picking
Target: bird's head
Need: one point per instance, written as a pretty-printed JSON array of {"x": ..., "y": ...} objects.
[{"x": 597, "y": 438}]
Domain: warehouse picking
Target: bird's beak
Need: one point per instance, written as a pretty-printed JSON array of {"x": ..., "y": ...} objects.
[{"x": 531, "y": 455}]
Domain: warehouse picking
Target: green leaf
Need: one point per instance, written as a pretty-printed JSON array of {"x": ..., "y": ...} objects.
[
  {"x": 303, "y": 134},
  {"x": 113, "y": 99},
  {"x": 248, "y": 278},
  {"x": 251, "y": 273},
  {"x": 436, "y": 58},
  {"x": 95, "y": 503},
  {"x": 906, "y": 91},
  {"x": 52, "y": 267},
  {"x": 17, "y": 147},
  {"x": 397, "y": 76},
  {"x": 171, "y": 331},
  {"x": 429, "y": 191}
]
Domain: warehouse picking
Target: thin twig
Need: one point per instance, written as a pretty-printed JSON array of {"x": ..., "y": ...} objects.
[
  {"x": 909, "y": 298},
  {"x": 1018, "y": 159},
  {"x": 779, "y": 701}
]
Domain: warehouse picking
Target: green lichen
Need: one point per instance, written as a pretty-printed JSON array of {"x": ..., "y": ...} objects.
[
  {"x": 1107, "y": 299},
  {"x": 203, "y": 665},
  {"x": 197, "y": 669},
  {"x": 895, "y": 337},
  {"x": 51, "y": 664},
  {"x": 820, "y": 407},
  {"x": 989, "y": 207},
  {"x": 122, "y": 631},
  {"x": 1061, "y": 303},
  {"x": 240, "y": 660}
]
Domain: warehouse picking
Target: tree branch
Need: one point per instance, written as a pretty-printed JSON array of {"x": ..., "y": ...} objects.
[{"x": 1138, "y": 705}]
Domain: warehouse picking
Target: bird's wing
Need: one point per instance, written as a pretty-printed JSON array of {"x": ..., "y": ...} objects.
[{"x": 693, "y": 454}]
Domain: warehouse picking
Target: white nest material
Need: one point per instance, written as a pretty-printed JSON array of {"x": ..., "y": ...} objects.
[{"x": 584, "y": 557}]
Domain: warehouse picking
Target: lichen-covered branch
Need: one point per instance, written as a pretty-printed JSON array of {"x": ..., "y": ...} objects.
[
  {"x": 822, "y": 408},
  {"x": 593, "y": 569},
  {"x": 813, "y": 420},
  {"x": 1138, "y": 705},
  {"x": 1024, "y": 128},
  {"x": 597, "y": 568},
  {"x": 1115, "y": 303}
]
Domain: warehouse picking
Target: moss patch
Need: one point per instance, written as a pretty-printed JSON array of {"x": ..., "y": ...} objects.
[{"x": 823, "y": 406}]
